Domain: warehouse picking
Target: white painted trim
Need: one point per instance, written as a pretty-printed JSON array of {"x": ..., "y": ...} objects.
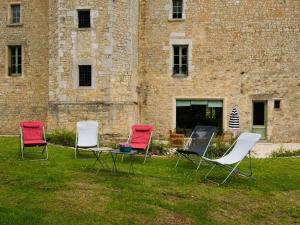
[
  {"x": 170, "y": 6},
  {"x": 174, "y": 40}
]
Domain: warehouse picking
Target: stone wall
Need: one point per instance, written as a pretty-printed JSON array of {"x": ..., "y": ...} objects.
[
  {"x": 240, "y": 51},
  {"x": 110, "y": 46},
  {"x": 24, "y": 97}
]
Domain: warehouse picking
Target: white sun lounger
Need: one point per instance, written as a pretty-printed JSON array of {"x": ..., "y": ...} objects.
[{"x": 241, "y": 148}]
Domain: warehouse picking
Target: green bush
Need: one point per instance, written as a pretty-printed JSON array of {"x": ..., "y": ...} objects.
[
  {"x": 219, "y": 147},
  {"x": 285, "y": 153},
  {"x": 159, "y": 148},
  {"x": 62, "y": 137}
]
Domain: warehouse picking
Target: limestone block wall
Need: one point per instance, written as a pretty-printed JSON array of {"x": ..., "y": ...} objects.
[
  {"x": 240, "y": 51},
  {"x": 110, "y": 46},
  {"x": 24, "y": 97}
]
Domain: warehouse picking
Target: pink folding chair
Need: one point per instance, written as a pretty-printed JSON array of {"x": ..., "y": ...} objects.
[
  {"x": 32, "y": 134},
  {"x": 140, "y": 138}
]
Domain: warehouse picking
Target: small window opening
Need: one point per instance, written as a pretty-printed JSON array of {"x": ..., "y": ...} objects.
[
  {"x": 85, "y": 75},
  {"x": 84, "y": 19},
  {"x": 277, "y": 104}
]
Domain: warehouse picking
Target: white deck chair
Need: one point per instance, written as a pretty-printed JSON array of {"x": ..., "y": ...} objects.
[
  {"x": 241, "y": 148},
  {"x": 87, "y": 138}
]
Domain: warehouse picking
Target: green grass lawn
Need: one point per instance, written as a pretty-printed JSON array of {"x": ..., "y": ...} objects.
[{"x": 67, "y": 191}]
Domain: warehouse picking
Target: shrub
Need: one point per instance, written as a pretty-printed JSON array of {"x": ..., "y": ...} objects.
[
  {"x": 219, "y": 147},
  {"x": 159, "y": 148},
  {"x": 281, "y": 152},
  {"x": 62, "y": 137}
]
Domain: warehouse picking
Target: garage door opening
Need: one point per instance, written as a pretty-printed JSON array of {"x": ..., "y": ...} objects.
[{"x": 190, "y": 113}]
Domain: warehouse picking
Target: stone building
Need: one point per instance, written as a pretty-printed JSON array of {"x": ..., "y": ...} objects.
[{"x": 170, "y": 63}]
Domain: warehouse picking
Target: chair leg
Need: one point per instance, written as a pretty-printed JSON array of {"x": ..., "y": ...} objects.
[
  {"x": 199, "y": 163},
  {"x": 233, "y": 170},
  {"x": 46, "y": 149},
  {"x": 179, "y": 157},
  {"x": 22, "y": 152},
  {"x": 146, "y": 156}
]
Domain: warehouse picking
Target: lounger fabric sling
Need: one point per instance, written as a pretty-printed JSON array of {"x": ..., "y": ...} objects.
[
  {"x": 87, "y": 138},
  {"x": 140, "y": 138},
  {"x": 198, "y": 144},
  {"x": 240, "y": 149},
  {"x": 32, "y": 134}
]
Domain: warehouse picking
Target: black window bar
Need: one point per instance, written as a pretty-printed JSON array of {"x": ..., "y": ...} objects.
[
  {"x": 85, "y": 75},
  {"x": 84, "y": 19}
]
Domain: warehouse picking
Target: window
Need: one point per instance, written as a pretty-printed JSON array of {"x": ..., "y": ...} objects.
[
  {"x": 177, "y": 9},
  {"x": 15, "y": 14},
  {"x": 85, "y": 76},
  {"x": 84, "y": 19},
  {"x": 277, "y": 104},
  {"x": 15, "y": 61},
  {"x": 180, "y": 65}
]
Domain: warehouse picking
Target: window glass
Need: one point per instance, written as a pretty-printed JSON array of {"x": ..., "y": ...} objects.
[
  {"x": 15, "y": 63},
  {"x": 259, "y": 113},
  {"x": 85, "y": 75},
  {"x": 180, "y": 60},
  {"x": 84, "y": 19},
  {"x": 15, "y": 13},
  {"x": 177, "y": 9}
]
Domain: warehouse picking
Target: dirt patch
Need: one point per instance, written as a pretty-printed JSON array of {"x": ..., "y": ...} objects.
[
  {"x": 171, "y": 218},
  {"x": 83, "y": 197}
]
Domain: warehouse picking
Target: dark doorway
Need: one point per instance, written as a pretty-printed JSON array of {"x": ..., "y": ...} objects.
[
  {"x": 259, "y": 123},
  {"x": 187, "y": 117}
]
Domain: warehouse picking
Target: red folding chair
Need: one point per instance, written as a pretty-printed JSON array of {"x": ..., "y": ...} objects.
[
  {"x": 140, "y": 138},
  {"x": 32, "y": 134}
]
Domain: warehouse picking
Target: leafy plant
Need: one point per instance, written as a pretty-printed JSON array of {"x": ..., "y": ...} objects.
[
  {"x": 159, "y": 148},
  {"x": 219, "y": 147},
  {"x": 62, "y": 137},
  {"x": 281, "y": 152}
]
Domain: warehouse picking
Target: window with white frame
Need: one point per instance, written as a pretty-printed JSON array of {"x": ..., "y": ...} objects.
[
  {"x": 15, "y": 13},
  {"x": 177, "y": 9},
  {"x": 15, "y": 60},
  {"x": 180, "y": 60}
]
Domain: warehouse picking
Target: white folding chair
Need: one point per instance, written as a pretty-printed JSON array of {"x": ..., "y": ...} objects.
[
  {"x": 87, "y": 138},
  {"x": 241, "y": 148}
]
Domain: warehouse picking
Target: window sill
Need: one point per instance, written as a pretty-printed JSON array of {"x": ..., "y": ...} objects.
[
  {"x": 84, "y": 29},
  {"x": 14, "y": 25},
  {"x": 85, "y": 88},
  {"x": 15, "y": 75},
  {"x": 176, "y": 20},
  {"x": 180, "y": 75}
]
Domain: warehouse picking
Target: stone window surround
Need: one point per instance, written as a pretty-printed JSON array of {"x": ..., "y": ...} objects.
[
  {"x": 178, "y": 41},
  {"x": 9, "y": 16},
  {"x": 175, "y": 98},
  {"x": 76, "y": 74},
  {"x": 92, "y": 17},
  {"x": 171, "y": 19},
  {"x": 7, "y": 59}
]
